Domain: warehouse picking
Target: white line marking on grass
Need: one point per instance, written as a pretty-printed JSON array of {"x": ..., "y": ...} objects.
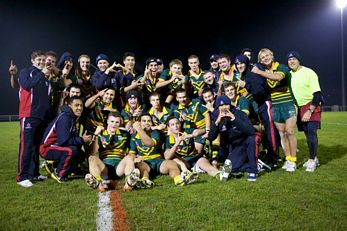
[
  {"x": 342, "y": 124},
  {"x": 104, "y": 218}
]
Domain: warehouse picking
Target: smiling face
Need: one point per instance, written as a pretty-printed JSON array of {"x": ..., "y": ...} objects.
[
  {"x": 265, "y": 57},
  {"x": 103, "y": 65},
  {"x": 209, "y": 77},
  {"x": 181, "y": 98},
  {"x": 293, "y": 63},
  {"x": 146, "y": 122},
  {"x": 84, "y": 62},
  {"x": 241, "y": 67},
  {"x": 113, "y": 123},
  {"x": 77, "y": 107},
  {"x": 39, "y": 62},
  {"x": 109, "y": 96}
]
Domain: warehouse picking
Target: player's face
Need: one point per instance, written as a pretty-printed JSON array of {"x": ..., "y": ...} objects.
[
  {"x": 181, "y": 98},
  {"x": 51, "y": 61},
  {"x": 266, "y": 58},
  {"x": 174, "y": 126},
  {"x": 155, "y": 101},
  {"x": 39, "y": 61},
  {"x": 76, "y": 107},
  {"x": 214, "y": 64},
  {"x": 176, "y": 69},
  {"x": 224, "y": 64},
  {"x": 241, "y": 67},
  {"x": 293, "y": 63},
  {"x": 153, "y": 67},
  {"x": 209, "y": 78},
  {"x": 108, "y": 96},
  {"x": 84, "y": 63},
  {"x": 230, "y": 92},
  {"x": 103, "y": 65},
  {"x": 208, "y": 97},
  {"x": 129, "y": 62},
  {"x": 75, "y": 92},
  {"x": 146, "y": 123},
  {"x": 193, "y": 63},
  {"x": 113, "y": 123},
  {"x": 132, "y": 102}
]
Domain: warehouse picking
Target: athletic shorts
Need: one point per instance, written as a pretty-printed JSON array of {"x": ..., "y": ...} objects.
[
  {"x": 111, "y": 165},
  {"x": 155, "y": 164},
  {"x": 282, "y": 112}
]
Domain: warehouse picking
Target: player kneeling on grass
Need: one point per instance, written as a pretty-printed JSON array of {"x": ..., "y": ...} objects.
[
  {"x": 146, "y": 144},
  {"x": 237, "y": 136},
  {"x": 112, "y": 144},
  {"x": 180, "y": 148},
  {"x": 61, "y": 143}
]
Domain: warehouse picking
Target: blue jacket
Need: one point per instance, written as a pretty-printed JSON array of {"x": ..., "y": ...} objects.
[
  {"x": 62, "y": 131},
  {"x": 33, "y": 94}
]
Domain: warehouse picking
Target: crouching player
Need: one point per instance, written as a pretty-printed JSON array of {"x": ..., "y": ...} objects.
[
  {"x": 112, "y": 144},
  {"x": 237, "y": 136},
  {"x": 146, "y": 144},
  {"x": 61, "y": 144}
]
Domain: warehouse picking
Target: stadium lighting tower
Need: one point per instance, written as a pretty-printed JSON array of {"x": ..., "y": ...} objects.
[{"x": 341, "y": 4}]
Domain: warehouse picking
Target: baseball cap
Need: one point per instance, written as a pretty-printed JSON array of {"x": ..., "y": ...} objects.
[{"x": 151, "y": 60}]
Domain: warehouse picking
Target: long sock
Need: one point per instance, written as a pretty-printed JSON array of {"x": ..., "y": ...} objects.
[{"x": 312, "y": 142}]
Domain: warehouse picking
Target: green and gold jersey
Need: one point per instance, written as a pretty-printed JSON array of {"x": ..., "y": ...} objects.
[
  {"x": 113, "y": 146},
  {"x": 98, "y": 115},
  {"x": 280, "y": 92},
  {"x": 176, "y": 84},
  {"x": 197, "y": 82},
  {"x": 195, "y": 115},
  {"x": 185, "y": 148},
  {"x": 147, "y": 153},
  {"x": 162, "y": 119}
]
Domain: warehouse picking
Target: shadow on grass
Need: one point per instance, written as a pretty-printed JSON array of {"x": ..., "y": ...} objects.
[{"x": 325, "y": 153}]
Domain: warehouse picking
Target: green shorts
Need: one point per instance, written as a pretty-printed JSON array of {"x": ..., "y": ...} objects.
[
  {"x": 199, "y": 140},
  {"x": 155, "y": 164},
  {"x": 282, "y": 112},
  {"x": 111, "y": 165},
  {"x": 192, "y": 159}
]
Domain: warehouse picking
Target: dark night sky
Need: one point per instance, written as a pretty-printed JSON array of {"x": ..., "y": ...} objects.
[{"x": 312, "y": 27}]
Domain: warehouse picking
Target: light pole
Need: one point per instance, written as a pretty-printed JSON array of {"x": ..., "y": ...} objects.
[{"x": 341, "y": 4}]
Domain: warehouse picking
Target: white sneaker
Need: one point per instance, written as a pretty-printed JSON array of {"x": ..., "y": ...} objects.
[
  {"x": 286, "y": 164},
  {"x": 225, "y": 170},
  {"x": 25, "y": 183},
  {"x": 311, "y": 165},
  {"x": 315, "y": 159},
  {"x": 291, "y": 167},
  {"x": 133, "y": 177}
]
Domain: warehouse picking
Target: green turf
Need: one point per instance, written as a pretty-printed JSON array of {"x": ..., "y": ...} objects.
[{"x": 277, "y": 201}]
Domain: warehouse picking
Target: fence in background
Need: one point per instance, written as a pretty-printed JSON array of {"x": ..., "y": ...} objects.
[{"x": 334, "y": 108}]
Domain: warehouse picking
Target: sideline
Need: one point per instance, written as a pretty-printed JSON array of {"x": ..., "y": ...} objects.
[
  {"x": 111, "y": 213},
  {"x": 104, "y": 218}
]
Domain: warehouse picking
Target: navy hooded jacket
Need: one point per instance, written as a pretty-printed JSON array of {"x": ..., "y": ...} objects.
[
  {"x": 255, "y": 84},
  {"x": 62, "y": 131},
  {"x": 232, "y": 132}
]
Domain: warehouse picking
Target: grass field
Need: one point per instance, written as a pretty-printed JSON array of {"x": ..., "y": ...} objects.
[{"x": 277, "y": 201}]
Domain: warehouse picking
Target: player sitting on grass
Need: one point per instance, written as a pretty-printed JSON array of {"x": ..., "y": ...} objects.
[{"x": 112, "y": 144}]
